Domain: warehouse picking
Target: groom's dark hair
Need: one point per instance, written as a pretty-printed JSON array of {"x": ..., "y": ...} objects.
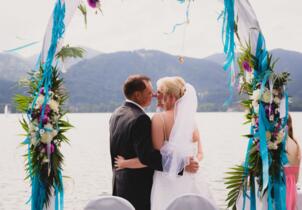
[{"x": 134, "y": 83}]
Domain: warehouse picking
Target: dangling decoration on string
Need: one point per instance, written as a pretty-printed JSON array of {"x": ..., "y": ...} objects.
[
  {"x": 261, "y": 178},
  {"x": 185, "y": 25}
]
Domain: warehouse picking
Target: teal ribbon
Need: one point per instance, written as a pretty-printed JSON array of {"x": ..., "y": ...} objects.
[
  {"x": 263, "y": 148},
  {"x": 38, "y": 196},
  {"x": 187, "y": 17},
  {"x": 59, "y": 193},
  {"x": 284, "y": 122},
  {"x": 228, "y": 39},
  {"x": 261, "y": 54},
  {"x": 228, "y": 30}
]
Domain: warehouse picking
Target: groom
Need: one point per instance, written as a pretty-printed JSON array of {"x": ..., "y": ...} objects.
[{"x": 130, "y": 137}]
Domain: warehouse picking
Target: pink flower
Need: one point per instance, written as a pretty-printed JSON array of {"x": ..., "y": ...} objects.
[{"x": 246, "y": 66}]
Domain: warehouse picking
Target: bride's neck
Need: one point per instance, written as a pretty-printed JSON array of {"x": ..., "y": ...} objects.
[{"x": 170, "y": 109}]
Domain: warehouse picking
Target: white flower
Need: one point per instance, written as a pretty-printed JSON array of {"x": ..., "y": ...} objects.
[
  {"x": 246, "y": 111},
  {"x": 241, "y": 82},
  {"x": 275, "y": 92},
  {"x": 249, "y": 77},
  {"x": 256, "y": 95},
  {"x": 33, "y": 139},
  {"x": 271, "y": 118},
  {"x": 276, "y": 111},
  {"x": 277, "y": 100},
  {"x": 54, "y": 106},
  {"x": 266, "y": 96},
  {"x": 280, "y": 136},
  {"x": 42, "y": 131},
  {"x": 48, "y": 126},
  {"x": 40, "y": 100},
  {"x": 272, "y": 145},
  {"x": 45, "y": 160},
  {"x": 253, "y": 121},
  {"x": 268, "y": 135},
  {"x": 54, "y": 133},
  {"x": 46, "y": 137},
  {"x": 50, "y": 93},
  {"x": 31, "y": 127},
  {"x": 255, "y": 106}
]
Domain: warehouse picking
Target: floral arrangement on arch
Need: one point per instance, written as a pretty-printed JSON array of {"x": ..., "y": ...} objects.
[
  {"x": 265, "y": 103},
  {"x": 45, "y": 127}
]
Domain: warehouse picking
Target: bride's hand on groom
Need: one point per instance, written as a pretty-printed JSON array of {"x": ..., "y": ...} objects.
[
  {"x": 119, "y": 162},
  {"x": 193, "y": 166},
  {"x": 199, "y": 156}
]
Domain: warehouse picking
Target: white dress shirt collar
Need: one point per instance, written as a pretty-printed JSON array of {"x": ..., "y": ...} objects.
[{"x": 130, "y": 101}]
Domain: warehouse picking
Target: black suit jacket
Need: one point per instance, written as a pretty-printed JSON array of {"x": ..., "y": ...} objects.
[{"x": 130, "y": 137}]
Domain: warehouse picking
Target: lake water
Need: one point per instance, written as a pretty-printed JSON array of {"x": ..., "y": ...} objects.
[{"x": 87, "y": 160}]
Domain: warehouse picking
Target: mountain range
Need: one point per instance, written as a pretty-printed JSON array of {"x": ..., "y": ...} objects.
[{"x": 95, "y": 82}]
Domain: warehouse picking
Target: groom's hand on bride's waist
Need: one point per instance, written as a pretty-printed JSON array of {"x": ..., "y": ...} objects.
[{"x": 192, "y": 167}]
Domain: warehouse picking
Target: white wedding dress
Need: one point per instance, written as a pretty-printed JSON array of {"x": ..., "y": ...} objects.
[{"x": 167, "y": 185}]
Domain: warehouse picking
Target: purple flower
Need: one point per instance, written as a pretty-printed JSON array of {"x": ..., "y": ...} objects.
[
  {"x": 47, "y": 109},
  {"x": 93, "y": 3},
  {"x": 42, "y": 90},
  {"x": 45, "y": 119},
  {"x": 52, "y": 148},
  {"x": 246, "y": 66}
]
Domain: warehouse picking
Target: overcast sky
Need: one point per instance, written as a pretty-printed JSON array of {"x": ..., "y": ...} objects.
[{"x": 141, "y": 24}]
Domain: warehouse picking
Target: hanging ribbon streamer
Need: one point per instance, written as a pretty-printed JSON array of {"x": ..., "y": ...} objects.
[
  {"x": 187, "y": 18},
  {"x": 21, "y": 47},
  {"x": 228, "y": 31}
]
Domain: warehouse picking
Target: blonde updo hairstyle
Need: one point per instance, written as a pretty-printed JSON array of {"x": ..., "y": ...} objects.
[{"x": 174, "y": 86}]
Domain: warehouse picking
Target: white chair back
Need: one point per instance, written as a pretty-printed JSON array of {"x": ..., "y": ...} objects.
[
  {"x": 109, "y": 203},
  {"x": 191, "y": 202}
]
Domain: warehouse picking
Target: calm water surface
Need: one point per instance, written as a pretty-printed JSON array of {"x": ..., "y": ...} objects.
[{"x": 87, "y": 160}]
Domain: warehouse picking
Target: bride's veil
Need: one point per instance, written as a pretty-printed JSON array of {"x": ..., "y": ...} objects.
[{"x": 178, "y": 149}]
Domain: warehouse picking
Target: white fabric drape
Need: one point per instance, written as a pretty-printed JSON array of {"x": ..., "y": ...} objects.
[
  {"x": 248, "y": 25},
  {"x": 70, "y": 8}
]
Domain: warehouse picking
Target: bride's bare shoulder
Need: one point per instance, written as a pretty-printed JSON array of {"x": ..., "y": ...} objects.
[{"x": 157, "y": 118}]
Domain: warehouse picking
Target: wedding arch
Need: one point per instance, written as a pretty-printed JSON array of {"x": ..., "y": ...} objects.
[{"x": 265, "y": 100}]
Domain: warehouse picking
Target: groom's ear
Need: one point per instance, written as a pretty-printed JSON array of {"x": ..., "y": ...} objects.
[{"x": 136, "y": 95}]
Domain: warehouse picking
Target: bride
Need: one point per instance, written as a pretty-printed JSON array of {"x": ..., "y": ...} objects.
[{"x": 175, "y": 134}]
